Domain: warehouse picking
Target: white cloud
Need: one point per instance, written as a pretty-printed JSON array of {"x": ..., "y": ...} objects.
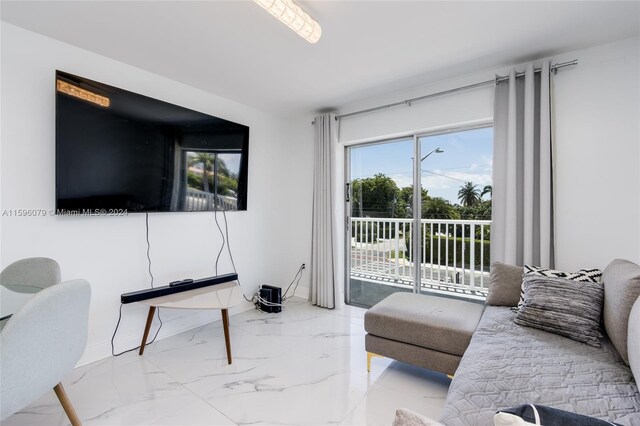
[{"x": 402, "y": 180}]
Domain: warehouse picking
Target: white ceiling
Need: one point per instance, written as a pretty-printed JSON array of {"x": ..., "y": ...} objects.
[{"x": 237, "y": 50}]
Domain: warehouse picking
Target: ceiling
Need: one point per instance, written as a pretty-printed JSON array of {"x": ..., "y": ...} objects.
[{"x": 237, "y": 50}]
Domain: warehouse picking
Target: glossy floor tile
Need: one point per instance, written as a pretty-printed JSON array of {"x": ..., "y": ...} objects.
[{"x": 303, "y": 366}]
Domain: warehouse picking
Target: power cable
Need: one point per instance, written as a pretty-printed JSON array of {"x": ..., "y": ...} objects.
[
  {"x": 256, "y": 299},
  {"x": 448, "y": 177},
  {"x": 215, "y": 216},
  {"x": 225, "y": 236},
  {"x": 146, "y": 221}
]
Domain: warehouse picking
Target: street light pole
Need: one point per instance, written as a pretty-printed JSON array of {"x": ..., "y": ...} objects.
[
  {"x": 437, "y": 151},
  {"x": 417, "y": 207},
  {"x": 418, "y": 219}
]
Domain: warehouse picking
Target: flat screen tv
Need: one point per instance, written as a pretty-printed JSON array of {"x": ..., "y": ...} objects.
[{"x": 121, "y": 151}]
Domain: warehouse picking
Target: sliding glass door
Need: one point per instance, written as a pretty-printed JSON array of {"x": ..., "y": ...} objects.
[
  {"x": 379, "y": 220},
  {"x": 435, "y": 239},
  {"x": 455, "y": 177}
]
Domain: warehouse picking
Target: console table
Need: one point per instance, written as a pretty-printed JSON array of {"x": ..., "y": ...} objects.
[{"x": 220, "y": 296}]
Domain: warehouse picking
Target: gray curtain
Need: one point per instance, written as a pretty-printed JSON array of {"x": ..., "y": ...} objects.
[
  {"x": 325, "y": 291},
  {"x": 522, "y": 206}
]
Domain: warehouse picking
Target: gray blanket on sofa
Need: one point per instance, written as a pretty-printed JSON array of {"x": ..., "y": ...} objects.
[{"x": 507, "y": 365}]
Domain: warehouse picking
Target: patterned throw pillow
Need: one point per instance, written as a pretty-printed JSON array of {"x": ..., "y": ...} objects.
[
  {"x": 565, "y": 307},
  {"x": 583, "y": 275}
]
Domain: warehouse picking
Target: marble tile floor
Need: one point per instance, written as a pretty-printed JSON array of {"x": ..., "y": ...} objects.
[{"x": 303, "y": 366}]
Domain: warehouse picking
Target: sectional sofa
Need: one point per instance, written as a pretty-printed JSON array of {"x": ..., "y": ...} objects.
[{"x": 505, "y": 364}]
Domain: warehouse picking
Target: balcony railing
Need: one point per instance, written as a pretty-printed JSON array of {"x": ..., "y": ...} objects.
[
  {"x": 197, "y": 200},
  {"x": 454, "y": 254}
]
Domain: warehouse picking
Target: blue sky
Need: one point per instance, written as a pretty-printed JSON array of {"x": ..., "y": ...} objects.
[{"x": 467, "y": 157}]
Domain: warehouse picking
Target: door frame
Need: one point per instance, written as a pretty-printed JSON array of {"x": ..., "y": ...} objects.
[{"x": 417, "y": 191}]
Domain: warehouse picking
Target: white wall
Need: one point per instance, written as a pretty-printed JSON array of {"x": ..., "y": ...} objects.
[
  {"x": 597, "y": 157},
  {"x": 269, "y": 241},
  {"x": 597, "y": 144}
]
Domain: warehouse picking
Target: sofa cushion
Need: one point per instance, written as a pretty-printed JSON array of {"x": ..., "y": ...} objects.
[
  {"x": 633, "y": 340},
  {"x": 621, "y": 289},
  {"x": 437, "y": 323},
  {"x": 631, "y": 419},
  {"x": 583, "y": 275},
  {"x": 507, "y": 365},
  {"x": 565, "y": 307},
  {"x": 504, "y": 284}
]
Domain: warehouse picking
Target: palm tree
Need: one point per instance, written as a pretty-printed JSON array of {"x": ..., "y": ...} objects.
[
  {"x": 488, "y": 189},
  {"x": 469, "y": 195},
  {"x": 206, "y": 160}
]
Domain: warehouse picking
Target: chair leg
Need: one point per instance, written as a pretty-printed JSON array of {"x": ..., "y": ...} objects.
[{"x": 66, "y": 404}]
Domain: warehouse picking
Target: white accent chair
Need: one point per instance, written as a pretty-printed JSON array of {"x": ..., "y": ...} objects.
[
  {"x": 24, "y": 275},
  {"x": 41, "y": 343}
]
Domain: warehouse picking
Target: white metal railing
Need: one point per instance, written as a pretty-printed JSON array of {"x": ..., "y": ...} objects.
[
  {"x": 197, "y": 200},
  {"x": 452, "y": 252}
]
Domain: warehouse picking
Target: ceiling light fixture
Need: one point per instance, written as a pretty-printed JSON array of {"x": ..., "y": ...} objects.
[
  {"x": 294, "y": 17},
  {"x": 83, "y": 94}
]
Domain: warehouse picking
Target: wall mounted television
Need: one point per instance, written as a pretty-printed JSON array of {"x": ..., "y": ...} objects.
[{"x": 120, "y": 151}]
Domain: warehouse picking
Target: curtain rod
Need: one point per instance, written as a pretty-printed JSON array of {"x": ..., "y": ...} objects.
[{"x": 554, "y": 68}]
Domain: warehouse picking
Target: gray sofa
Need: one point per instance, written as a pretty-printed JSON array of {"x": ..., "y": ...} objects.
[{"x": 506, "y": 365}]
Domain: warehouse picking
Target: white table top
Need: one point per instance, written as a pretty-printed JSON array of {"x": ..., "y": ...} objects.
[{"x": 219, "y": 296}]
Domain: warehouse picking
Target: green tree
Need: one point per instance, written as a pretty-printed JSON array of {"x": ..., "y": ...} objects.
[
  {"x": 479, "y": 211},
  {"x": 376, "y": 196},
  {"x": 206, "y": 160},
  {"x": 227, "y": 185},
  {"x": 469, "y": 194},
  {"x": 488, "y": 189},
  {"x": 405, "y": 203},
  {"x": 227, "y": 182},
  {"x": 438, "y": 208}
]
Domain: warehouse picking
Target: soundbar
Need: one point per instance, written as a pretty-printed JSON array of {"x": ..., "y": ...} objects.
[{"x": 175, "y": 287}]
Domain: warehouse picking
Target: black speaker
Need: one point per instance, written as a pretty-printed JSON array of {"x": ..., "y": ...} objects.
[
  {"x": 175, "y": 287},
  {"x": 273, "y": 295}
]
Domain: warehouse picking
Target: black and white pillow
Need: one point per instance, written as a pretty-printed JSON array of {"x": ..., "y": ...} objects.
[{"x": 583, "y": 275}]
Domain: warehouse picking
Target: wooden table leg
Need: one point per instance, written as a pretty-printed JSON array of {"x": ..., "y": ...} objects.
[
  {"x": 227, "y": 340},
  {"x": 152, "y": 310}
]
